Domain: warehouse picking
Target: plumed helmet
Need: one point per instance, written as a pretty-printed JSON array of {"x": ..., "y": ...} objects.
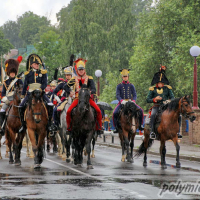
[
  {"x": 80, "y": 63},
  {"x": 124, "y": 72},
  {"x": 53, "y": 83},
  {"x": 12, "y": 65},
  {"x": 68, "y": 70},
  {"x": 33, "y": 58}
]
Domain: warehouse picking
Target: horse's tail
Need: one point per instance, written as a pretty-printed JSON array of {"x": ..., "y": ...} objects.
[{"x": 142, "y": 148}]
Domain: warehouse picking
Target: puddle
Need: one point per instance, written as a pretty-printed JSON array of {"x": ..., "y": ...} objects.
[{"x": 63, "y": 173}]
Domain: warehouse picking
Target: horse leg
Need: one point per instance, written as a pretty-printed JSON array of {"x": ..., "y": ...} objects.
[
  {"x": 32, "y": 138},
  {"x": 163, "y": 153},
  {"x": 0, "y": 147},
  {"x": 48, "y": 141},
  {"x": 88, "y": 149},
  {"x": 178, "y": 164},
  {"x": 55, "y": 148},
  {"x": 93, "y": 144},
  {"x": 123, "y": 147},
  {"x": 68, "y": 142},
  {"x": 9, "y": 143},
  {"x": 132, "y": 145},
  {"x": 126, "y": 140}
]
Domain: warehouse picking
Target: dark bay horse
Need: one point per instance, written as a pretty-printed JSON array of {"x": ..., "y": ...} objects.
[
  {"x": 168, "y": 128},
  {"x": 36, "y": 117},
  {"x": 12, "y": 127},
  {"x": 129, "y": 123},
  {"x": 83, "y": 126}
]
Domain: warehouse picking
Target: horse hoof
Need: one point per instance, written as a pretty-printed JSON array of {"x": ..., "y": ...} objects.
[
  {"x": 18, "y": 163},
  {"x": 178, "y": 165},
  {"x": 130, "y": 160},
  {"x": 11, "y": 162},
  {"x": 0, "y": 157},
  {"x": 144, "y": 164},
  {"x": 90, "y": 167},
  {"x": 79, "y": 165},
  {"x": 163, "y": 166},
  {"x": 36, "y": 166},
  {"x": 92, "y": 156},
  {"x": 68, "y": 160}
]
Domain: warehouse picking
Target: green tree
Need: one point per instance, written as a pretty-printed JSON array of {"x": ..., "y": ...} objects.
[
  {"x": 30, "y": 24},
  {"x": 5, "y": 45},
  {"x": 11, "y": 31}
]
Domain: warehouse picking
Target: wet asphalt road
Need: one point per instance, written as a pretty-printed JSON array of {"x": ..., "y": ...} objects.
[{"x": 110, "y": 178}]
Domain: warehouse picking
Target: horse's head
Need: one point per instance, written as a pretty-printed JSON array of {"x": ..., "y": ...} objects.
[
  {"x": 186, "y": 108},
  {"x": 35, "y": 104},
  {"x": 18, "y": 92},
  {"x": 130, "y": 109},
  {"x": 83, "y": 100}
]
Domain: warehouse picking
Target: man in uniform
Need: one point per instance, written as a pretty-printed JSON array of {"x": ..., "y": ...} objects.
[
  {"x": 35, "y": 75},
  {"x": 75, "y": 82},
  {"x": 9, "y": 85},
  {"x": 125, "y": 92},
  {"x": 1, "y": 88},
  {"x": 56, "y": 112},
  {"x": 159, "y": 94}
]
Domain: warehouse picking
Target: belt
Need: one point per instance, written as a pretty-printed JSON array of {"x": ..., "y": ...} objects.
[{"x": 127, "y": 99}]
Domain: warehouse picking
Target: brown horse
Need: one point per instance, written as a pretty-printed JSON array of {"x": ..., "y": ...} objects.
[
  {"x": 12, "y": 127},
  {"x": 129, "y": 123},
  {"x": 167, "y": 128},
  {"x": 36, "y": 117}
]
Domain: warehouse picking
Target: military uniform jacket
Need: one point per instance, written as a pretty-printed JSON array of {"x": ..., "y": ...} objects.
[
  {"x": 38, "y": 76},
  {"x": 126, "y": 90},
  {"x": 88, "y": 80},
  {"x": 6, "y": 84},
  {"x": 165, "y": 92},
  {"x": 60, "y": 87}
]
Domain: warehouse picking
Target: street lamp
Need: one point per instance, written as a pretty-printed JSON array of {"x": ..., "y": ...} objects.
[
  {"x": 98, "y": 74},
  {"x": 195, "y": 51}
]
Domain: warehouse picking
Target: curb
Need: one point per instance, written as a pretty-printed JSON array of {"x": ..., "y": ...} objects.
[{"x": 182, "y": 157}]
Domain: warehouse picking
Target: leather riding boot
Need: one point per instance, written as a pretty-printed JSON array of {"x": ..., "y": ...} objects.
[
  {"x": 23, "y": 122},
  {"x": 2, "y": 122},
  {"x": 179, "y": 136},
  {"x": 116, "y": 130},
  {"x": 51, "y": 126}
]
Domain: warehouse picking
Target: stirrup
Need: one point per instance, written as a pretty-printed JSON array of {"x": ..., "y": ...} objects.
[
  {"x": 179, "y": 136},
  {"x": 22, "y": 129},
  {"x": 152, "y": 135}
]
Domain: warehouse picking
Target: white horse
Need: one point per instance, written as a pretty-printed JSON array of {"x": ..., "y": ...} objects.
[{"x": 66, "y": 139}]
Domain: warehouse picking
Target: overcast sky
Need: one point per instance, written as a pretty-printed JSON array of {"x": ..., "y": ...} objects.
[{"x": 10, "y": 9}]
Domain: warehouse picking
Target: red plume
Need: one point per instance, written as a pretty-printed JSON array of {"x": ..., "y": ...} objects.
[{"x": 19, "y": 59}]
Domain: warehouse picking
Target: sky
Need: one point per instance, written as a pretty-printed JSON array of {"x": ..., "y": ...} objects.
[{"x": 10, "y": 9}]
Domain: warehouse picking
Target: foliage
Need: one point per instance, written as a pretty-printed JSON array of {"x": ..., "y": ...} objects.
[{"x": 5, "y": 45}]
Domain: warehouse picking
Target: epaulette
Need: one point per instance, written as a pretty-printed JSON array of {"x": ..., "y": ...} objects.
[
  {"x": 43, "y": 71},
  {"x": 152, "y": 88},
  {"x": 27, "y": 72},
  {"x": 170, "y": 87},
  {"x": 90, "y": 77}
]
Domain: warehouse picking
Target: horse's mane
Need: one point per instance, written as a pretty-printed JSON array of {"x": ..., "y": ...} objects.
[
  {"x": 130, "y": 107},
  {"x": 29, "y": 102},
  {"x": 84, "y": 86},
  {"x": 174, "y": 104}
]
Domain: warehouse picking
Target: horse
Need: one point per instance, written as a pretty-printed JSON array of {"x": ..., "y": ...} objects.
[
  {"x": 83, "y": 126},
  {"x": 66, "y": 139},
  {"x": 167, "y": 128},
  {"x": 12, "y": 127},
  {"x": 36, "y": 117},
  {"x": 129, "y": 122}
]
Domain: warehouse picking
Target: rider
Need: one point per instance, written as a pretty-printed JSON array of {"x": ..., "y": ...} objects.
[
  {"x": 9, "y": 85},
  {"x": 125, "y": 91},
  {"x": 75, "y": 81},
  {"x": 56, "y": 112},
  {"x": 35, "y": 75},
  {"x": 158, "y": 95},
  {"x": 1, "y": 88}
]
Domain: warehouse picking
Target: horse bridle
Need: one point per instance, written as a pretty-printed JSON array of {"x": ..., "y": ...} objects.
[{"x": 182, "y": 109}]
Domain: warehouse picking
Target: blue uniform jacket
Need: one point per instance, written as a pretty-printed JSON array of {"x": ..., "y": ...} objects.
[
  {"x": 7, "y": 83},
  {"x": 126, "y": 90},
  {"x": 38, "y": 76},
  {"x": 60, "y": 87}
]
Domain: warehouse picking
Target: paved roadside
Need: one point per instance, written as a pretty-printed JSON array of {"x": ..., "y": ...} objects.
[{"x": 187, "y": 152}]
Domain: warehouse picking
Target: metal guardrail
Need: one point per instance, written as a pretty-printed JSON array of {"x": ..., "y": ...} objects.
[{"x": 110, "y": 133}]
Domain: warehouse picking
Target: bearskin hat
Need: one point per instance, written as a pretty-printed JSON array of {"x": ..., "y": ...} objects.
[{"x": 12, "y": 65}]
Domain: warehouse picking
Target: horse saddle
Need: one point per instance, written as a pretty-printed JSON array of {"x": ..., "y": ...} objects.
[{"x": 62, "y": 105}]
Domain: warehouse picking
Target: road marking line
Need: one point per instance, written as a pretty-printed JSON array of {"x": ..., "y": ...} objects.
[{"x": 90, "y": 176}]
